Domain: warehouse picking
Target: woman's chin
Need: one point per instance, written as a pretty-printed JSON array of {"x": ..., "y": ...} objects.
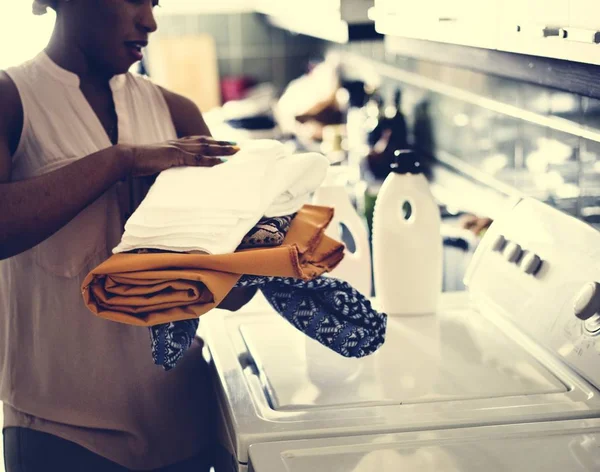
[{"x": 123, "y": 67}]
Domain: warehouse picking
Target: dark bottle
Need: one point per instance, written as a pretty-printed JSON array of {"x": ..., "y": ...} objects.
[
  {"x": 424, "y": 139},
  {"x": 376, "y": 122},
  {"x": 393, "y": 136},
  {"x": 397, "y": 124}
]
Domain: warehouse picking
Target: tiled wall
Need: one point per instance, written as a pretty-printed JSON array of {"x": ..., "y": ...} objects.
[
  {"x": 543, "y": 142},
  {"x": 248, "y": 45}
]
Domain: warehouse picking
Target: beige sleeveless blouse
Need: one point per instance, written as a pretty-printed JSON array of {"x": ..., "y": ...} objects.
[{"x": 62, "y": 370}]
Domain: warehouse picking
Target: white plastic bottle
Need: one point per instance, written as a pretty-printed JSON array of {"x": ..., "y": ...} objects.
[
  {"x": 407, "y": 242},
  {"x": 355, "y": 268}
]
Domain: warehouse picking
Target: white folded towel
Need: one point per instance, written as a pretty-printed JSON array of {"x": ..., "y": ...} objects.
[{"x": 212, "y": 209}]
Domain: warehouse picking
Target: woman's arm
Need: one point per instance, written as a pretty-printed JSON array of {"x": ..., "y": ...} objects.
[{"x": 32, "y": 210}]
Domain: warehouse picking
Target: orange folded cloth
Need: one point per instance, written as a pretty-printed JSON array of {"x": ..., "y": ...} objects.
[{"x": 152, "y": 289}]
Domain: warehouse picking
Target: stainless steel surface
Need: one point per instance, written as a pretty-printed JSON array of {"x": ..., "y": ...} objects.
[{"x": 553, "y": 122}]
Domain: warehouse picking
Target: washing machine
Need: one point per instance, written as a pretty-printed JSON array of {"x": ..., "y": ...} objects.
[
  {"x": 571, "y": 445},
  {"x": 519, "y": 348}
]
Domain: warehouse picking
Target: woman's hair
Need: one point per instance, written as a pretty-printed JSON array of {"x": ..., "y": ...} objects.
[{"x": 40, "y": 7}]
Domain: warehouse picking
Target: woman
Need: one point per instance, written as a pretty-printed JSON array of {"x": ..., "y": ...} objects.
[{"x": 80, "y": 393}]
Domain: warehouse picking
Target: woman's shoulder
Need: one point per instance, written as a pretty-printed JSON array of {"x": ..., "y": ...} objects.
[
  {"x": 146, "y": 86},
  {"x": 185, "y": 114},
  {"x": 9, "y": 94}
]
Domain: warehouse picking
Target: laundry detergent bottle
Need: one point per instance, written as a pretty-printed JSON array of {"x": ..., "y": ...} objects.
[
  {"x": 407, "y": 241},
  {"x": 355, "y": 268}
]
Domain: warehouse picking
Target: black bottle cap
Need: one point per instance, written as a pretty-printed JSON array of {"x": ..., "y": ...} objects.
[{"x": 407, "y": 161}]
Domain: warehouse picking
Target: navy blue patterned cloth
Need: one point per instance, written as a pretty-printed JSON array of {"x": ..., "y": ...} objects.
[
  {"x": 268, "y": 232},
  {"x": 170, "y": 341},
  {"x": 325, "y": 309}
]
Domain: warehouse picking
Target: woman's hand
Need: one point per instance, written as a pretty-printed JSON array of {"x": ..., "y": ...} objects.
[{"x": 197, "y": 151}]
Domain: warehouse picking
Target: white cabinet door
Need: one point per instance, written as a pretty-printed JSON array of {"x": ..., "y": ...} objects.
[
  {"x": 585, "y": 14},
  {"x": 551, "y": 28},
  {"x": 512, "y": 14},
  {"x": 563, "y": 29},
  {"x": 470, "y": 22},
  {"x": 548, "y": 12},
  {"x": 533, "y": 14},
  {"x": 407, "y": 11},
  {"x": 406, "y": 18}
]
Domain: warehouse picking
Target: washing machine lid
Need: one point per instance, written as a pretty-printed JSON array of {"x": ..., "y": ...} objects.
[
  {"x": 572, "y": 446},
  {"x": 455, "y": 355},
  {"x": 455, "y": 369}
]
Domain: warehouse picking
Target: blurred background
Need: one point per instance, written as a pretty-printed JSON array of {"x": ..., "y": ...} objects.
[{"x": 501, "y": 101}]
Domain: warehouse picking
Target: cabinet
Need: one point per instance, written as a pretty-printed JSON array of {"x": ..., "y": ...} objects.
[
  {"x": 534, "y": 27},
  {"x": 585, "y": 14},
  {"x": 547, "y": 12},
  {"x": 476, "y": 21},
  {"x": 467, "y": 22},
  {"x": 333, "y": 20},
  {"x": 533, "y": 16},
  {"x": 563, "y": 29}
]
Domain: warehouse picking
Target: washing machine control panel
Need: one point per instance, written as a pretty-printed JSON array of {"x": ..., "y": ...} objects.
[
  {"x": 541, "y": 268},
  {"x": 587, "y": 307}
]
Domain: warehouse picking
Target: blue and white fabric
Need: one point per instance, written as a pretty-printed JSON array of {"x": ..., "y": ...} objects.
[{"x": 325, "y": 309}]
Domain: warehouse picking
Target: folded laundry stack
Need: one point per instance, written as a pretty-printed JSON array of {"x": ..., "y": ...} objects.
[
  {"x": 155, "y": 288},
  {"x": 201, "y": 232},
  {"x": 210, "y": 210}
]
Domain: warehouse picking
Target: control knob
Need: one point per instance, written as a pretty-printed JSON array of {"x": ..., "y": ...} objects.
[
  {"x": 513, "y": 252},
  {"x": 531, "y": 263},
  {"x": 587, "y": 306}
]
